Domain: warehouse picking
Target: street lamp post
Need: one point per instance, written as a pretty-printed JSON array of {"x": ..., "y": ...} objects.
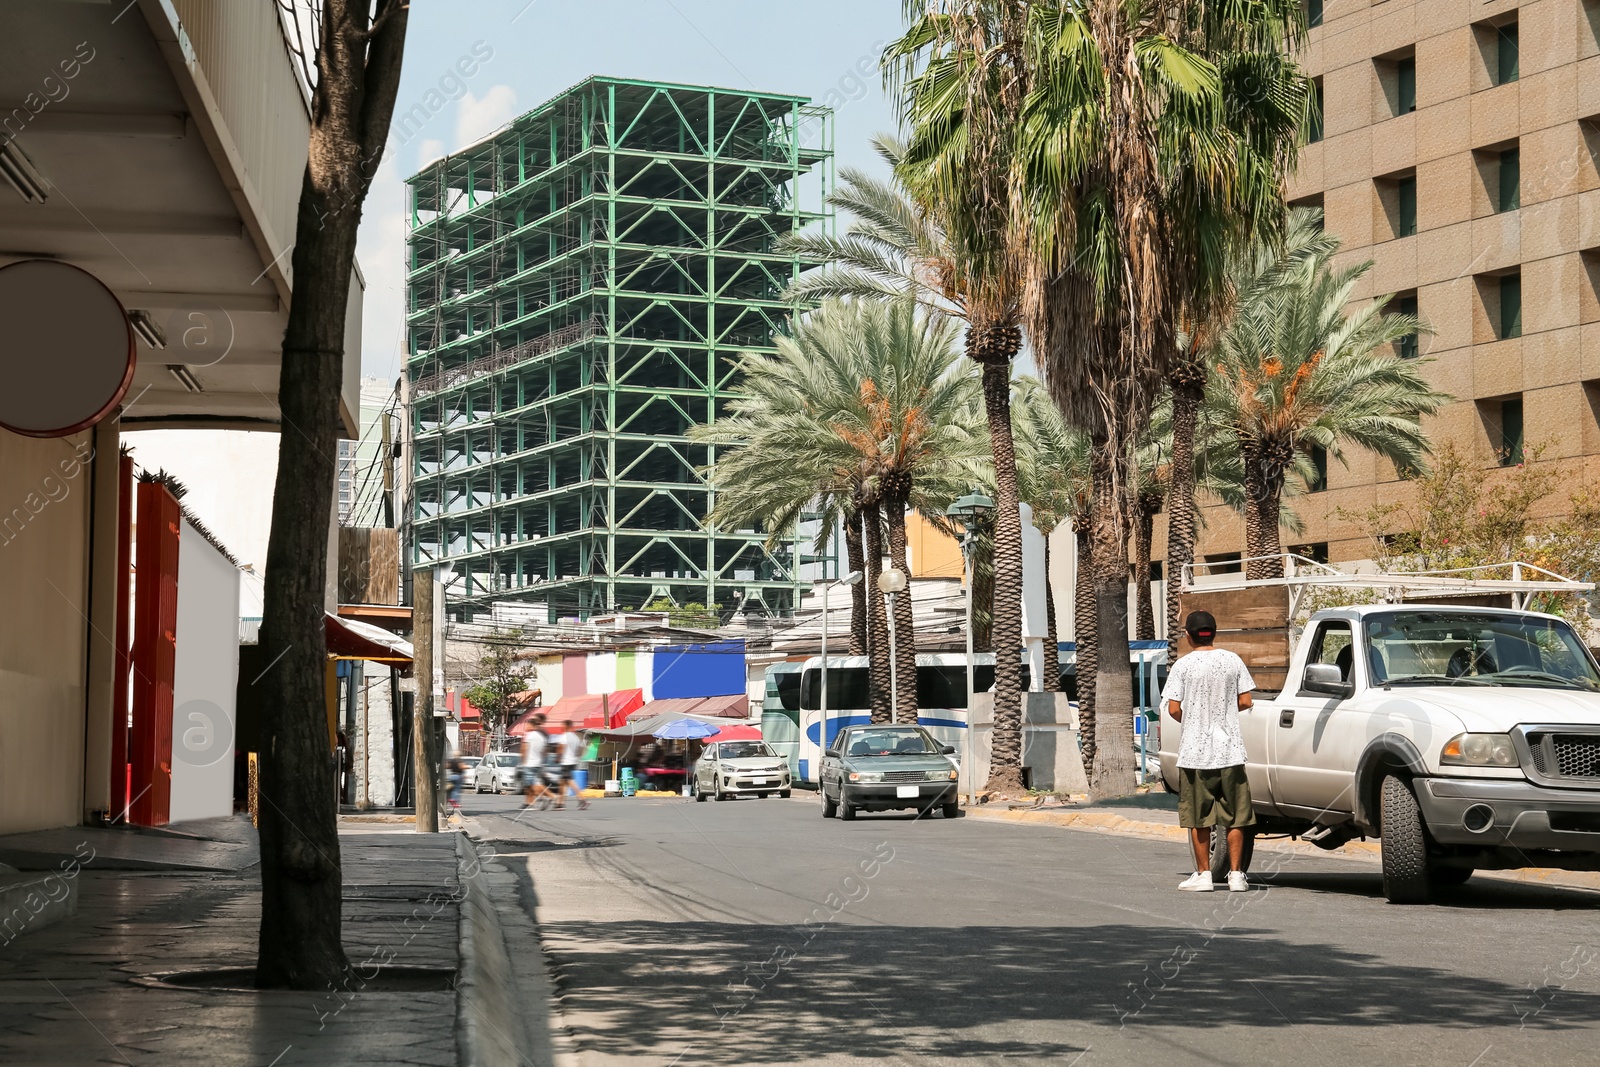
[
  {"x": 853, "y": 578},
  {"x": 891, "y": 582},
  {"x": 967, "y": 511}
]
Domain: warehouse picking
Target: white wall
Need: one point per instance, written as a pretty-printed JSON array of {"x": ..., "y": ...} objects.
[{"x": 206, "y": 679}]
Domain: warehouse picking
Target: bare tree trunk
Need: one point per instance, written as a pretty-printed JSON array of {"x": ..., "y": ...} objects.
[
  {"x": 1113, "y": 681},
  {"x": 905, "y": 632},
  {"x": 1051, "y": 682},
  {"x": 1143, "y": 534},
  {"x": 1086, "y": 638},
  {"x": 878, "y": 626},
  {"x": 301, "y": 944},
  {"x": 1005, "y": 763},
  {"x": 1188, "y": 391},
  {"x": 856, "y": 557},
  {"x": 1262, "y": 494}
]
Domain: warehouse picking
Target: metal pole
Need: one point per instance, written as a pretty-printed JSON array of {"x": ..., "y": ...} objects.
[
  {"x": 894, "y": 677},
  {"x": 423, "y": 795},
  {"x": 1144, "y": 734},
  {"x": 822, "y": 699},
  {"x": 966, "y": 558}
]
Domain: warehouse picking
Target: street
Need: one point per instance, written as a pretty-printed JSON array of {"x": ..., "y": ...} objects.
[{"x": 757, "y": 932}]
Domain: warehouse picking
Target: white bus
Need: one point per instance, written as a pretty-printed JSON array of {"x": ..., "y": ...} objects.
[{"x": 941, "y": 697}]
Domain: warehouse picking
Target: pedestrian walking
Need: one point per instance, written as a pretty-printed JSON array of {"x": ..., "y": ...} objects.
[
  {"x": 569, "y": 747},
  {"x": 1206, "y": 691},
  {"x": 534, "y": 746}
]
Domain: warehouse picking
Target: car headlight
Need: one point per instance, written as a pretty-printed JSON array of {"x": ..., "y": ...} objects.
[
  {"x": 941, "y": 776},
  {"x": 1479, "y": 750},
  {"x": 866, "y": 776}
]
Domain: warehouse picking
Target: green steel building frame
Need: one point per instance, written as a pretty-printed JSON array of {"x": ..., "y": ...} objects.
[{"x": 580, "y": 287}]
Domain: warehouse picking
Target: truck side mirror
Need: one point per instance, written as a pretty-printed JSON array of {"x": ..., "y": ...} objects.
[{"x": 1325, "y": 679}]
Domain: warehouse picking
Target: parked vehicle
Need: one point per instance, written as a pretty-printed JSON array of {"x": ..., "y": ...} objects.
[
  {"x": 882, "y": 768},
  {"x": 1464, "y": 738},
  {"x": 497, "y": 773},
  {"x": 727, "y": 769}
]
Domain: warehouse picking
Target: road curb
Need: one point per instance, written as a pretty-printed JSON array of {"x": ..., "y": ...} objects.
[
  {"x": 1105, "y": 822},
  {"x": 490, "y": 1017}
]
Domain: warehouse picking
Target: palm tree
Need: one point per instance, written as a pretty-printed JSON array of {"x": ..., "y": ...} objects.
[
  {"x": 1258, "y": 266},
  {"x": 963, "y": 77},
  {"x": 1154, "y": 139},
  {"x": 866, "y": 403},
  {"x": 1296, "y": 371}
]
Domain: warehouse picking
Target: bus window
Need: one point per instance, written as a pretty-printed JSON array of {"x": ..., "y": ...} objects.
[
  {"x": 847, "y": 689},
  {"x": 783, "y": 690}
]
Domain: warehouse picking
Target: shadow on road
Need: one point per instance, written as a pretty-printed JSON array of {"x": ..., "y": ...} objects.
[{"x": 740, "y": 993}]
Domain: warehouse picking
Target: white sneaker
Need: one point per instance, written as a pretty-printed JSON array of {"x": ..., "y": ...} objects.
[
  {"x": 1237, "y": 882},
  {"x": 1198, "y": 882}
]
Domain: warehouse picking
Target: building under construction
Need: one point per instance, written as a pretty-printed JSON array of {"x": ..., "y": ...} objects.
[{"x": 580, "y": 287}]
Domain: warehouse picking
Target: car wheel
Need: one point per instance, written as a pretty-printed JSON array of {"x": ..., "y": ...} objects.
[
  {"x": 762, "y": 796},
  {"x": 717, "y": 793},
  {"x": 952, "y": 808},
  {"x": 699, "y": 794},
  {"x": 829, "y": 808},
  {"x": 783, "y": 794},
  {"x": 1449, "y": 876},
  {"x": 847, "y": 810},
  {"x": 1404, "y": 844},
  {"x": 1221, "y": 864}
]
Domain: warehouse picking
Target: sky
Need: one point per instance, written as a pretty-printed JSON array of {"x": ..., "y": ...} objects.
[{"x": 824, "y": 49}]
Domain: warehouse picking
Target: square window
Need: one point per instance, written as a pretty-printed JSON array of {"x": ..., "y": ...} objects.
[
  {"x": 1313, "y": 14},
  {"x": 1510, "y": 191},
  {"x": 1589, "y": 286},
  {"x": 1406, "y": 193},
  {"x": 1510, "y": 306},
  {"x": 1314, "y": 129},
  {"x": 1319, "y": 470},
  {"x": 1397, "y": 84},
  {"x": 1395, "y": 215},
  {"x": 1506, "y": 54},
  {"x": 1224, "y": 563},
  {"x": 1406, "y": 78},
  {"x": 1511, "y": 432},
  {"x": 1405, "y": 304}
]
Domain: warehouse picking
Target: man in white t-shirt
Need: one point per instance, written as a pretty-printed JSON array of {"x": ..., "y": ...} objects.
[
  {"x": 1206, "y": 691},
  {"x": 534, "y": 745},
  {"x": 569, "y": 750}
]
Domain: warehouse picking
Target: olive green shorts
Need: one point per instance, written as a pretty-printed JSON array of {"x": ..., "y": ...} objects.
[{"x": 1219, "y": 797}]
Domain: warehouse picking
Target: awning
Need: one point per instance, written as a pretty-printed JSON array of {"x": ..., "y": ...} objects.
[
  {"x": 646, "y": 726},
  {"x": 349, "y": 639},
  {"x": 595, "y": 711},
  {"x": 737, "y": 732},
  {"x": 734, "y": 706}
]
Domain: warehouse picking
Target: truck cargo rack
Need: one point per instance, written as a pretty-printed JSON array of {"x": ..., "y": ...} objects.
[{"x": 1517, "y": 579}]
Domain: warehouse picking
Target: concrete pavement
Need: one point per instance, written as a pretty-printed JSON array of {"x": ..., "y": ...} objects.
[{"x": 756, "y": 932}]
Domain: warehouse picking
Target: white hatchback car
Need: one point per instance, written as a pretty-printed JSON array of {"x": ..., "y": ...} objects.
[
  {"x": 736, "y": 768},
  {"x": 497, "y": 773}
]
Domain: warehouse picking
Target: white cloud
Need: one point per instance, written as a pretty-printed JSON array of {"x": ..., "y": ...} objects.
[
  {"x": 428, "y": 151},
  {"x": 479, "y": 116}
]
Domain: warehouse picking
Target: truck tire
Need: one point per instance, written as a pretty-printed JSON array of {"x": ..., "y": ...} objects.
[
  {"x": 1220, "y": 863},
  {"x": 1405, "y": 845}
]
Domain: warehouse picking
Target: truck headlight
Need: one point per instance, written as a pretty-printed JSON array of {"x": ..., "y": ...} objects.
[{"x": 1479, "y": 750}]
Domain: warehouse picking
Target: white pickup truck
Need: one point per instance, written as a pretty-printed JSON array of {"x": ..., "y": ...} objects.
[{"x": 1464, "y": 738}]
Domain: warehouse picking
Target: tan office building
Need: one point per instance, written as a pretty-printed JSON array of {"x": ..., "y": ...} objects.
[{"x": 1460, "y": 152}]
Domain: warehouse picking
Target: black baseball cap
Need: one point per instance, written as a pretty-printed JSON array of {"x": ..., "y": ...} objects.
[{"x": 1200, "y": 624}]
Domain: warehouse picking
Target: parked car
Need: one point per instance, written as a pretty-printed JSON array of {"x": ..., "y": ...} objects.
[
  {"x": 882, "y": 768},
  {"x": 1463, "y": 738},
  {"x": 497, "y": 773},
  {"x": 728, "y": 769}
]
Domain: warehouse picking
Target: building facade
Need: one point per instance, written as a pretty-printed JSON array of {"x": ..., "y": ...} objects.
[
  {"x": 580, "y": 287},
  {"x": 1459, "y": 151}
]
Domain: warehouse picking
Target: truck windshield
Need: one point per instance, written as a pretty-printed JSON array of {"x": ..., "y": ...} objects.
[{"x": 1461, "y": 648}]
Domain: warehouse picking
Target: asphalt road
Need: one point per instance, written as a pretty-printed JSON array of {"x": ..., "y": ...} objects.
[{"x": 756, "y": 932}]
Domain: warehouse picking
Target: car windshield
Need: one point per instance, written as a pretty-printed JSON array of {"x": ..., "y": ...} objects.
[
  {"x": 907, "y": 742},
  {"x": 744, "y": 750},
  {"x": 504, "y": 759},
  {"x": 1456, "y": 648}
]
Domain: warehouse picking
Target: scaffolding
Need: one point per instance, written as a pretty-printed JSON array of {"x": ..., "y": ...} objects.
[{"x": 580, "y": 286}]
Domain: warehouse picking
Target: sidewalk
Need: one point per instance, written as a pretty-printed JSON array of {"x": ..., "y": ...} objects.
[
  {"x": 68, "y": 992},
  {"x": 1155, "y": 816}
]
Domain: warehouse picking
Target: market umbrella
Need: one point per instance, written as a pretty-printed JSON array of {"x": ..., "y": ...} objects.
[{"x": 684, "y": 730}]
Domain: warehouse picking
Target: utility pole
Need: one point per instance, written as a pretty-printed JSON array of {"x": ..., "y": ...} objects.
[
  {"x": 424, "y": 777},
  {"x": 388, "y": 471}
]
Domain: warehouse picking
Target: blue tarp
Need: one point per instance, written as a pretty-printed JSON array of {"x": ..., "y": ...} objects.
[{"x": 709, "y": 670}]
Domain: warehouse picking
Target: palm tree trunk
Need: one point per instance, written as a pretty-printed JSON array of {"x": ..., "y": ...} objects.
[
  {"x": 1262, "y": 492},
  {"x": 855, "y": 557},
  {"x": 1188, "y": 391},
  {"x": 1086, "y": 638},
  {"x": 1113, "y": 681},
  {"x": 877, "y": 625},
  {"x": 905, "y": 632},
  {"x": 1051, "y": 682},
  {"x": 1143, "y": 533},
  {"x": 1005, "y": 761},
  {"x": 301, "y": 938},
  {"x": 983, "y": 587}
]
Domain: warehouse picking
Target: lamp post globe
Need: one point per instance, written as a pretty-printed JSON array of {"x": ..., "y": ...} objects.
[{"x": 892, "y": 581}]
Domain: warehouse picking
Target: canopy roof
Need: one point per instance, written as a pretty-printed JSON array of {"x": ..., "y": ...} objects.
[
  {"x": 349, "y": 639},
  {"x": 594, "y": 711}
]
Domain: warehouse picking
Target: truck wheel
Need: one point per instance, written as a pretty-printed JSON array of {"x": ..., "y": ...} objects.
[
  {"x": 1220, "y": 864},
  {"x": 1405, "y": 845}
]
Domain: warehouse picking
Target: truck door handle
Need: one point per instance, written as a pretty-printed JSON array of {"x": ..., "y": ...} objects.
[{"x": 1286, "y": 717}]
